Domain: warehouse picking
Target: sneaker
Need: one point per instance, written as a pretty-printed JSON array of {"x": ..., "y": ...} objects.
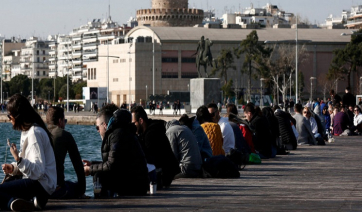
[{"x": 22, "y": 205}]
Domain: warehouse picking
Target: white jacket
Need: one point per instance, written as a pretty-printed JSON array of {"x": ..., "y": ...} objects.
[
  {"x": 38, "y": 160},
  {"x": 227, "y": 134},
  {"x": 357, "y": 119}
]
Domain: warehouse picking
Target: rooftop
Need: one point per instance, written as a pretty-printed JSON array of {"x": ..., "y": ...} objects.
[{"x": 182, "y": 34}]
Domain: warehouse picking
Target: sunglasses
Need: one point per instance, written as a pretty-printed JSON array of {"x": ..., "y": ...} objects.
[
  {"x": 97, "y": 127},
  {"x": 355, "y": 110},
  {"x": 10, "y": 116},
  {"x": 305, "y": 112}
]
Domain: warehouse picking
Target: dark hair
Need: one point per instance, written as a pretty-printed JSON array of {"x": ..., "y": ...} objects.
[
  {"x": 267, "y": 112},
  {"x": 54, "y": 114},
  {"x": 24, "y": 115},
  {"x": 231, "y": 108},
  {"x": 107, "y": 112},
  {"x": 358, "y": 108},
  {"x": 250, "y": 107},
  {"x": 348, "y": 88},
  {"x": 185, "y": 120},
  {"x": 139, "y": 112},
  {"x": 212, "y": 105},
  {"x": 331, "y": 92},
  {"x": 203, "y": 115},
  {"x": 275, "y": 107},
  {"x": 298, "y": 108}
]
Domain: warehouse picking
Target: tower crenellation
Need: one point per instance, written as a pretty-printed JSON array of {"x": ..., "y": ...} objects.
[{"x": 169, "y": 13}]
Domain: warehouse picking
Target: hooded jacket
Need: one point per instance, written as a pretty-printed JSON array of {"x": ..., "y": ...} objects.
[
  {"x": 123, "y": 161},
  {"x": 184, "y": 146}
]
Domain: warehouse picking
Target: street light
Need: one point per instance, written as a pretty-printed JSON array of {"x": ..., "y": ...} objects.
[
  {"x": 261, "y": 92},
  {"x": 146, "y": 94},
  {"x": 311, "y": 88}
]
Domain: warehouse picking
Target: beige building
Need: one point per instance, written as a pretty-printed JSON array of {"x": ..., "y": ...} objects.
[
  {"x": 130, "y": 64},
  {"x": 10, "y": 56}
]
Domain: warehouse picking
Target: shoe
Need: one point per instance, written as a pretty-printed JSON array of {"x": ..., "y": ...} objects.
[{"x": 22, "y": 205}]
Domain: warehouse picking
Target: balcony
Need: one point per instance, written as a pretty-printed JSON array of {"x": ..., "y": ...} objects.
[
  {"x": 52, "y": 66},
  {"x": 52, "y": 59},
  {"x": 77, "y": 46},
  {"x": 77, "y": 62},
  {"x": 52, "y": 52},
  {"x": 52, "y": 74}
]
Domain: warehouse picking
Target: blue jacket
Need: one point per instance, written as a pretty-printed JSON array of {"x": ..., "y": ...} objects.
[{"x": 202, "y": 140}]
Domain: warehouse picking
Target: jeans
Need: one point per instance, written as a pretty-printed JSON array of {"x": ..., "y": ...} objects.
[{"x": 25, "y": 189}]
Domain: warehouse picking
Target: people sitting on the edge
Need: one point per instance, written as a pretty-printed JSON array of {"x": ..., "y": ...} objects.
[
  {"x": 199, "y": 133},
  {"x": 259, "y": 127},
  {"x": 313, "y": 123},
  {"x": 240, "y": 142},
  {"x": 211, "y": 129},
  {"x": 63, "y": 143},
  {"x": 184, "y": 147},
  {"x": 35, "y": 163},
  {"x": 357, "y": 120},
  {"x": 341, "y": 122},
  {"x": 155, "y": 144},
  {"x": 226, "y": 129},
  {"x": 327, "y": 118},
  {"x": 303, "y": 127},
  {"x": 123, "y": 169}
]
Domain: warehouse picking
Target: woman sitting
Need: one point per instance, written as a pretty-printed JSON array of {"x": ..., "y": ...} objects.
[
  {"x": 35, "y": 163},
  {"x": 313, "y": 124}
]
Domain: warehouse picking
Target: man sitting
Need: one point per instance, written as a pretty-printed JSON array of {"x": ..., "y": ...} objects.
[
  {"x": 155, "y": 144},
  {"x": 123, "y": 169},
  {"x": 63, "y": 143},
  {"x": 184, "y": 147},
  {"x": 357, "y": 121},
  {"x": 303, "y": 127},
  {"x": 262, "y": 138},
  {"x": 226, "y": 129}
]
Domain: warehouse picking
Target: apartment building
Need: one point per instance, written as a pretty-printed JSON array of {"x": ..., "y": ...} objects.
[
  {"x": 74, "y": 52},
  {"x": 33, "y": 59},
  {"x": 10, "y": 56}
]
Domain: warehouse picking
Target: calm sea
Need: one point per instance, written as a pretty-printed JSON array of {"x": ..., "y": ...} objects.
[{"x": 87, "y": 138}]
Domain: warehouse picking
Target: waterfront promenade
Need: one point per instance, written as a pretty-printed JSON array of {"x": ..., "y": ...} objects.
[{"x": 312, "y": 178}]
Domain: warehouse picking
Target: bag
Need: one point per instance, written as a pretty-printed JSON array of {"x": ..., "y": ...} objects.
[
  {"x": 219, "y": 167},
  {"x": 237, "y": 157},
  {"x": 254, "y": 159}
]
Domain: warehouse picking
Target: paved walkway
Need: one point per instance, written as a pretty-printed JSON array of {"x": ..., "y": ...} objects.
[{"x": 312, "y": 178}]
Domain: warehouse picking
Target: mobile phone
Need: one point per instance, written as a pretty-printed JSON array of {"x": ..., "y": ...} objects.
[{"x": 8, "y": 142}]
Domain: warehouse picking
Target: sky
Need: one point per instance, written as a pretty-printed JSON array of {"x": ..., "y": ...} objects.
[{"x": 25, "y": 18}]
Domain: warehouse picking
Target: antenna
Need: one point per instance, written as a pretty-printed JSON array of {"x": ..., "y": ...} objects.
[{"x": 109, "y": 9}]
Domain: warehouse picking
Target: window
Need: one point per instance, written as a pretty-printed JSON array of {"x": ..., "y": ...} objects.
[
  {"x": 38, "y": 59},
  {"x": 169, "y": 75},
  {"x": 89, "y": 74},
  {"x": 44, "y": 52},
  {"x": 95, "y": 74},
  {"x": 115, "y": 61},
  {"x": 170, "y": 60},
  {"x": 188, "y": 60},
  {"x": 115, "y": 79},
  {"x": 92, "y": 74},
  {"x": 189, "y": 75},
  {"x": 37, "y": 73},
  {"x": 43, "y": 59},
  {"x": 43, "y": 73},
  {"x": 37, "y": 52},
  {"x": 122, "y": 60}
]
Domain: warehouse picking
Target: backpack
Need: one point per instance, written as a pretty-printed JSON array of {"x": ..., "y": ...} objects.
[{"x": 219, "y": 167}]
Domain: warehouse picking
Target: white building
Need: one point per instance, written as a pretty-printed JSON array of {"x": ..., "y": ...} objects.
[
  {"x": 33, "y": 59},
  {"x": 75, "y": 51}
]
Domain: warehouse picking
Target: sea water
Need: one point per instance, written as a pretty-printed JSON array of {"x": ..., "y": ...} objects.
[{"x": 87, "y": 138}]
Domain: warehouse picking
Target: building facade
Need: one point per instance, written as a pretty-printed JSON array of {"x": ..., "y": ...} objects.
[
  {"x": 129, "y": 74},
  {"x": 72, "y": 53}
]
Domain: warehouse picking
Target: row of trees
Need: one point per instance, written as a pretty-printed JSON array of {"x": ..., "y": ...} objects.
[
  {"x": 44, "y": 88},
  {"x": 274, "y": 62}
]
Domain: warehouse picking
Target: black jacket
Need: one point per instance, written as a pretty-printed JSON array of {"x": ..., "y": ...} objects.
[
  {"x": 158, "y": 150},
  {"x": 63, "y": 143},
  {"x": 262, "y": 137},
  {"x": 123, "y": 161}
]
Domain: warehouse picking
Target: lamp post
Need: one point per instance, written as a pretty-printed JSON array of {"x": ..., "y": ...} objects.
[
  {"x": 146, "y": 94},
  {"x": 311, "y": 88},
  {"x": 261, "y": 92},
  {"x": 296, "y": 61}
]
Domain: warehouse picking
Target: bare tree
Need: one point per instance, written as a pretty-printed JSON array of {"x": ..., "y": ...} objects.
[{"x": 280, "y": 66}]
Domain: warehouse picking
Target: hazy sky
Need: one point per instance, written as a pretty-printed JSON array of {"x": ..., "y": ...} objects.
[{"x": 26, "y": 18}]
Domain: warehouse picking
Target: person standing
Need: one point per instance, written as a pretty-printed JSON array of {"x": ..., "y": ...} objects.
[
  {"x": 348, "y": 98},
  {"x": 178, "y": 106},
  {"x": 64, "y": 144},
  {"x": 35, "y": 162}
]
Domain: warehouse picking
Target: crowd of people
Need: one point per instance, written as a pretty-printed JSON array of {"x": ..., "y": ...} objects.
[{"x": 139, "y": 152}]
